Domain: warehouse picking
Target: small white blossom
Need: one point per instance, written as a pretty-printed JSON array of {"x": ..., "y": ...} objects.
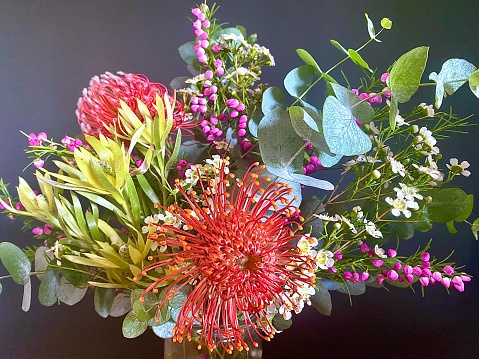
[
  {"x": 397, "y": 167},
  {"x": 370, "y": 227},
  {"x": 379, "y": 252},
  {"x": 401, "y": 205},
  {"x": 324, "y": 259},
  {"x": 457, "y": 168},
  {"x": 428, "y": 108},
  {"x": 408, "y": 192},
  {"x": 327, "y": 217},
  {"x": 400, "y": 121}
]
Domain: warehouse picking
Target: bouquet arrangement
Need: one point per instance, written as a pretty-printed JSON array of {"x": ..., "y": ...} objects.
[{"x": 210, "y": 204}]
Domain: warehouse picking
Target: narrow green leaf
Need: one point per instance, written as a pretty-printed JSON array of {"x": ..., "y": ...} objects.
[
  {"x": 133, "y": 200},
  {"x": 79, "y": 215},
  {"x": 49, "y": 288},
  {"x": 15, "y": 262},
  {"x": 406, "y": 73},
  {"x": 371, "y": 31},
  {"x": 103, "y": 300},
  {"x": 298, "y": 80},
  {"x": 132, "y": 327},
  {"x": 104, "y": 203},
  {"x": 145, "y": 186},
  {"x": 339, "y": 47},
  {"x": 309, "y": 60},
  {"x": 393, "y": 111},
  {"x": 357, "y": 59}
]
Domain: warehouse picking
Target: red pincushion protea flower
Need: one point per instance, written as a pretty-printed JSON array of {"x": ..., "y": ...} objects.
[
  {"x": 238, "y": 257},
  {"x": 98, "y": 106}
]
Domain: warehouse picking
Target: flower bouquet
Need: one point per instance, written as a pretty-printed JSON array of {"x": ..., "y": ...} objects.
[{"x": 208, "y": 211}]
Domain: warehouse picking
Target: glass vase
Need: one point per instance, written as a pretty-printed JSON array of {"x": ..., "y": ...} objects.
[{"x": 189, "y": 349}]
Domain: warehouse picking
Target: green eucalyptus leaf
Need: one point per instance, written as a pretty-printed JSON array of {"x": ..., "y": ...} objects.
[
  {"x": 278, "y": 142},
  {"x": 401, "y": 230},
  {"x": 145, "y": 310},
  {"x": 298, "y": 80},
  {"x": 164, "y": 330},
  {"x": 474, "y": 83},
  {"x": 103, "y": 300},
  {"x": 302, "y": 179},
  {"x": 362, "y": 110},
  {"x": 175, "y": 312},
  {"x": 309, "y": 60},
  {"x": 121, "y": 305},
  {"x": 339, "y": 46},
  {"x": 272, "y": 97},
  {"x": 179, "y": 297},
  {"x": 353, "y": 288},
  {"x": 279, "y": 323},
  {"x": 253, "y": 124},
  {"x": 341, "y": 132},
  {"x": 132, "y": 327},
  {"x": 468, "y": 211},
  {"x": 393, "y": 111},
  {"x": 180, "y": 82},
  {"x": 386, "y": 23},
  {"x": 371, "y": 31},
  {"x": 330, "y": 284},
  {"x": 15, "y": 262},
  {"x": 308, "y": 127},
  {"x": 327, "y": 160},
  {"x": 448, "y": 204},
  {"x": 357, "y": 59},
  {"x": 49, "y": 288},
  {"x": 475, "y": 228},
  {"x": 406, "y": 73},
  {"x": 450, "y": 227},
  {"x": 188, "y": 53},
  {"x": 454, "y": 73},
  {"x": 27, "y": 296},
  {"x": 321, "y": 300},
  {"x": 69, "y": 294}
]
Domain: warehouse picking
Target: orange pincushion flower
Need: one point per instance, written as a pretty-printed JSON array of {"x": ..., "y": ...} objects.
[
  {"x": 98, "y": 106},
  {"x": 238, "y": 255}
]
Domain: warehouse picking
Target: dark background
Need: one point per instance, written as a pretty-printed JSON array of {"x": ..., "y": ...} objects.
[{"x": 50, "y": 49}]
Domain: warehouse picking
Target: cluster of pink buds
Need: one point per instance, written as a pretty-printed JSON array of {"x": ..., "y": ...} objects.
[
  {"x": 36, "y": 140},
  {"x": 373, "y": 97},
  {"x": 199, "y": 25},
  {"x": 355, "y": 277},
  {"x": 38, "y": 231},
  {"x": 423, "y": 273},
  {"x": 182, "y": 167},
  {"x": 71, "y": 143},
  {"x": 313, "y": 165}
]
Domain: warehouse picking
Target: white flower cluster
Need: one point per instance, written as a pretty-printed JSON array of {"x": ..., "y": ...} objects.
[{"x": 404, "y": 201}]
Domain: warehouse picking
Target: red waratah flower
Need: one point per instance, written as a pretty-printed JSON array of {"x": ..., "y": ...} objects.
[
  {"x": 98, "y": 106},
  {"x": 239, "y": 255}
]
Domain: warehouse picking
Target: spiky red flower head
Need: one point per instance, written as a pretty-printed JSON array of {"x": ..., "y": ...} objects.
[
  {"x": 98, "y": 106},
  {"x": 239, "y": 255}
]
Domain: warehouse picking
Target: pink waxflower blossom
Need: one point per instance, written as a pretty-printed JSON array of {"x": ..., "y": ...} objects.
[
  {"x": 407, "y": 269},
  {"x": 347, "y": 275},
  {"x": 377, "y": 262},
  {"x": 384, "y": 77},
  {"x": 446, "y": 282},
  {"x": 364, "y": 276},
  {"x": 380, "y": 280},
  {"x": 393, "y": 275},
  {"x": 216, "y": 48},
  {"x": 417, "y": 270},
  {"x": 409, "y": 278},
  {"x": 437, "y": 276},
  {"x": 19, "y": 206},
  {"x": 47, "y": 228},
  {"x": 38, "y": 163},
  {"x": 392, "y": 253},
  {"x": 37, "y": 231},
  {"x": 36, "y": 140},
  {"x": 397, "y": 266}
]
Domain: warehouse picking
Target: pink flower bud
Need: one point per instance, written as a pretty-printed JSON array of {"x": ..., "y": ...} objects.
[
  {"x": 37, "y": 231},
  {"x": 465, "y": 278},
  {"x": 196, "y": 11},
  {"x": 209, "y": 74},
  {"x": 426, "y": 272},
  {"x": 364, "y": 247},
  {"x": 347, "y": 275},
  {"x": 384, "y": 77},
  {"x": 393, "y": 275},
  {"x": 424, "y": 281},
  {"x": 38, "y": 163},
  {"x": 459, "y": 287},
  {"x": 417, "y": 271},
  {"x": 377, "y": 263},
  {"x": 338, "y": 255},
  {"x": 437, "y": 276},
  {"x": 206, "y": 24},
  {"x": 425, "y": 264},
  {"x": 409, "y": 278},
  {"x": 425, "y": 256},
  {"x": 355, "y": 277},
  {"x": 392, "y": 252},
  {"x": 216, "y": 48},
  {"x": 214, "y": 121},
  {"x": 241, "y": 132},
  {"x": 355, "y": 91},
  {"x": 240, "y": 107},
  {"x": 220, "y": 71},
  {"x": 234, "y": 114},
  {"x": 380, "y": 280},
  {"x": 364, "y": 276},
  {"x": 448, "y": 270},
  {"x": 407, "y": 269},
  {"x": 397, "y": 266},
  {"x": 446, "y": 282},
  {"x": 363, "y": 95}
]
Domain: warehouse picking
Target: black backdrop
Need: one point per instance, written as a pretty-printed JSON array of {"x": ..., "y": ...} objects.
[{"x": 50, "y": 49}]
